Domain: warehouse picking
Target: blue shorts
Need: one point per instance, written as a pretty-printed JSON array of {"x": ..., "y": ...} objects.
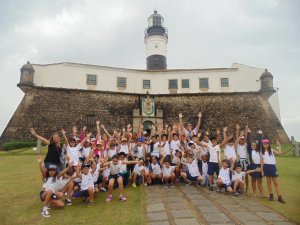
[
  {"x": 253, "y": 166},
  {"x": 270, "y": 170},
  {"x": 53, "y": 196},
  {"x": 191, "y": 178},
  {"x": 226, "y": 186},
  {"x": 115, "y": 176},
  {"x": 212, "y": 168},
  {"x": 83, "y": 193}
]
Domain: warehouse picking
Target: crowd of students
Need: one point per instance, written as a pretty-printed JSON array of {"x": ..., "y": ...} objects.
[{"x": 87, "y": 163}]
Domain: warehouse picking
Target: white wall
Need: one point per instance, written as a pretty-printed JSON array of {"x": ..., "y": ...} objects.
[
  {"x": 274, "y": 102},
  {"x": 160, "y": 42},
  {"x": 70, "y": 75}
]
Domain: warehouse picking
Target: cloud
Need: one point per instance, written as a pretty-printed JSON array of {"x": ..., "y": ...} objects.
[{"x": 202, "y": 34}]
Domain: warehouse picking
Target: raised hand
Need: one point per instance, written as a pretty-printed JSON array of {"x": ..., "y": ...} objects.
[
  {"x": 129, "y": 128},
  {"x": 84, "y": 128},
  {"x": 218, "y": 131},
  {"x": 39, "y": 159},
  {"x": 123, "y": 129},
  {"x": 180, "y": 115},
  {"x": 74, "y": 129},
  {"x": 200, "y": 114},
  {"x": 32, "y": 131},
  {"x": 102, "y": 126},
  {"x": 259, "y": 131},
  {"x": 237, "y": 126},
  {"x": 63, "y": 131},
  {"x": 242, "y": 133},
  {"x": 225, "y": 129},
  {"x": 97, "y": 122},
  {"x": 89, "y": 135}
]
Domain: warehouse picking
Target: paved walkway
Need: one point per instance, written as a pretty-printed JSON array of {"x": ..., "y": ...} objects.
[{"x": 195, "y": 205}]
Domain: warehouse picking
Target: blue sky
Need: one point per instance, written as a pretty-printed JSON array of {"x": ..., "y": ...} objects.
[{"x": 202, "y": 34}]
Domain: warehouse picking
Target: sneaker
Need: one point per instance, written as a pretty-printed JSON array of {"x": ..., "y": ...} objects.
[
  {"x": 122, "y": 198},
  {"x": 90, "y": 204},
  {"x": 109, "y": 198},
  {"x": 218, "y": 190},
  {"x": 271, "y": 198},
  {"x": 172, "y": 185},
  {"x": 134, "y": 185},
  {"x": 45, "y": 213},
  {"x": 68, "y": 201},
  {"x": 145, "y": 184},
  {"x": 236, "y": 194},
  {"x": 211, "y": 188},
  {"x": 103, "y": 189},
  {"x": 166, "y": 187},
  {"x": 280, "y": 199}
]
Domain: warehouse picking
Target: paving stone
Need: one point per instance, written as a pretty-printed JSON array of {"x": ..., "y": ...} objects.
[
  {"x": 283, "y": 223},
  {"x": 155, "y": 207},
  {"x": 159, "y": 223},
  {"x": 245, "y": 216},
  {"x": 176, "y": 205},
  {"x": 175, "y": 199},
  {"x": 156, "y": 216},
  {"x": 208, "y": 209},
  {"x": 237, "y": 208},
  {"x": 258, "y": 208},
  {"x": 216, "y": 217},
  {"x": 154, "y": 195},
  {"x": 195, "y": 196},
  {"x": 227, "y": 202},
  {"x": 198, "y": 202},
  {"x": 270, "y": 216},
  {"x": 154, "y": 200},
  {"x": 256, "y": 222},
  {"x": 177, "y": 214},
  {"x": 186, "y": 221}
]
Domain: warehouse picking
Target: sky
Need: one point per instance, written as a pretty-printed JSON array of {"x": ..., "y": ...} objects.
[{"x": 202, "y": 34}]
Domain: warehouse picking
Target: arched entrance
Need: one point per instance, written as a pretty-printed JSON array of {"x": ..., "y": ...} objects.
[{"x": 147, "y": 126}]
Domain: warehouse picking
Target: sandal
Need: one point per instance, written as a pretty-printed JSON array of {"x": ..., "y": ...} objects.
[
  {"x": 122, "y": 198},
  {"x": 109, "y": 198}
]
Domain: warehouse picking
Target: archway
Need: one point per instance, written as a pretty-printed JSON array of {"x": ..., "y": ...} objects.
[{"x": 147, "y": 126}]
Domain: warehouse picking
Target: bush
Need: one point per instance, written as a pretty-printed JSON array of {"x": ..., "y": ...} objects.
[{"x": 18, "y": 144}]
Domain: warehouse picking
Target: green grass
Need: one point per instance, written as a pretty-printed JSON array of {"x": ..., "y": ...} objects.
[
  {"x": 289, "y": 182},
  {"x": 20, "y": 184}
]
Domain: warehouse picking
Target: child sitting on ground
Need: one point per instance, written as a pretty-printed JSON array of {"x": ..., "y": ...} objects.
[
  {"x": 168, "y": 172},
  {"x": 193, "y": 173},
  {"x": 223, "y": 180}
]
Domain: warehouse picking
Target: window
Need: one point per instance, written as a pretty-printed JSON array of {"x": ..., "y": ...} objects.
[
  {"x": 173, "y": 84},
  {"x": 121, "y": 82},
  {"x": 224, "y": 82},
  {"x": 91, "y": 79},
  {"x": 155, "y": 58},
  {"x": 185, "y": 83},
  {"x": 146, "y": 84},
  {"x": 90, "y": 120},
  {"x": 203, "y": 82}
]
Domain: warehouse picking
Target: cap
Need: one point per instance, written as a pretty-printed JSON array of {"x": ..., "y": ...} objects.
[
  {"x": 265, "y": 141},
  {"x": 124, "y": 139},
  {"x": 85, "y": 165},
  {"x": 178, "y": 150},
  {"x": 141, "y": 139},
  {"x": 191, "y": 143},
  {"x": 99, "y": 143},
  {"x": 52, "y": 166},
  {"x": 72, "y": 139}
]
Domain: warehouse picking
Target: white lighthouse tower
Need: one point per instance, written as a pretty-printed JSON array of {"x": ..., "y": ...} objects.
[{"x": 156, "y": 39}]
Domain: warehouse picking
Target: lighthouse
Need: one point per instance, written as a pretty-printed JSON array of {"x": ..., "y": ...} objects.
[{"x": 156, "y": 39}]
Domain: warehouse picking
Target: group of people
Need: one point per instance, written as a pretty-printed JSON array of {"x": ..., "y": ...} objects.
[{"x": 87, "y": 163}]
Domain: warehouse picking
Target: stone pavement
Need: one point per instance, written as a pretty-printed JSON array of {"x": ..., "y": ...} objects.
[{"x": 193, "y": 205}]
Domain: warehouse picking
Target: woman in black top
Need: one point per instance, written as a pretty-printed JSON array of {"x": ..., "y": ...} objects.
[{"x": 54, "y": 149}]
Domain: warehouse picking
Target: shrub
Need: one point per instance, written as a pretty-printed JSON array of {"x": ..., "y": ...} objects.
[{"x": 18, "y": 144}]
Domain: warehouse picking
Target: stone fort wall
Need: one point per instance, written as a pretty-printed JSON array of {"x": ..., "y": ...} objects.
[{"x": 49, "y": 109}]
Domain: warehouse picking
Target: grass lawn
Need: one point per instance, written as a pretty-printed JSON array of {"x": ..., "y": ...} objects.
[
  {"x": 288, "y": 168},
  {"x": 20, "y": 184}
]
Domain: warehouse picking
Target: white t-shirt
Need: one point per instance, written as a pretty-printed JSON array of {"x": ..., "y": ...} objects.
[
  {"x": 242, "y": 151},
  {"x": 213, "y": 153},
  {"x": 138, "y": 169},
  {"x": 86, "y": 181},
  {"x": 73, "y": 153},
  {"x": 106, "y": 172},
  {"x": 96, "y": 173},
  {"x": 255, "y": 157},
  {"x": 224, "y": 174},
  {"x": 238, "y": 176},
  {"x": 50, "y": 184},
  {"x": 140, "y": 152},
  {"x": 269, "y": 159},
  {"x": 204, "y": 168},
  {"x": 61, "y": 183},
  {"x": 229, "y": 152},
  {"x": 166, "y": 148},
  {"x": 111, "y": 152},
  {"x": 176, "y": 160},
  {"x": 124, "y": 148},
  {"x": 115, "y": 168},
  {"x": 155, "y": 150},
  {"x": 174, "y": 145},
  {"x": 86, "y": 151},
  {"x": 168, "y": 171},
  {"x": 206, "y": 149},
  {"x": 194, "y": 169},
  {"x": 156, "y": 168}
]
